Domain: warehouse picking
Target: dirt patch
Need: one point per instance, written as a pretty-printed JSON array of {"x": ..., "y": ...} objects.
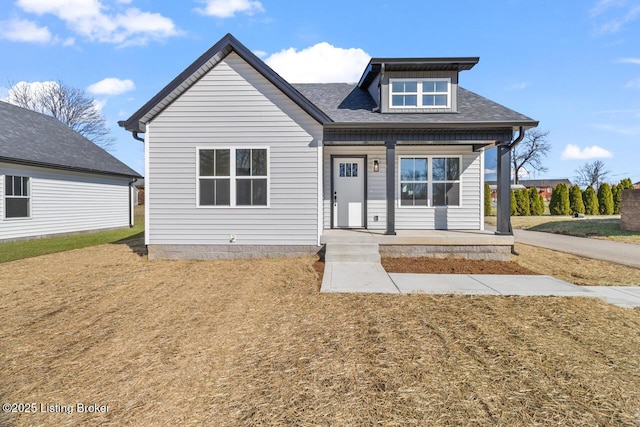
[
  {"x": 254, "y": 343},
  {"x": 452, "y": 266}
]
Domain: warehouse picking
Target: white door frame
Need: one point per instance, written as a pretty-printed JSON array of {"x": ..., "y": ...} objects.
[{"x": 364, "y": 187}]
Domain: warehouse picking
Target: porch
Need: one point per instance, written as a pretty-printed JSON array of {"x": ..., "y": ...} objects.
[{"x": 476, "y": 244}]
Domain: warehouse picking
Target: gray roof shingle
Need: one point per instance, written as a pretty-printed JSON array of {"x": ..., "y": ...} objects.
[
  {"x": 347, "y": 103},
  {"x": 28, "y": 137}
]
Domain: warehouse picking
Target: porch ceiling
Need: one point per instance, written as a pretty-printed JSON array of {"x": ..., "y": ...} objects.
[{"x": 470, "y": 136}]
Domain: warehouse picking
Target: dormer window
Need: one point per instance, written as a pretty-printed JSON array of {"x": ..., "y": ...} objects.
[{"x": 420, "y": 93}]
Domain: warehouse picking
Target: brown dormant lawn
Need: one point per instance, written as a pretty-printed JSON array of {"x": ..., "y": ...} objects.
[{"x": 254, "y": 343}]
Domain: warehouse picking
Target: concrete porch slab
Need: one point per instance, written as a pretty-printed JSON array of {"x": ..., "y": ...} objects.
[{"x": 417, "y": 237}]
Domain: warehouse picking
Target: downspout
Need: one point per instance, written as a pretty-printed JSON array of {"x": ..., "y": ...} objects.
[
  {"x": 131, "y": 201},
  {"x": 511, "y": 146},
  {"x": 135, "y": 136}
]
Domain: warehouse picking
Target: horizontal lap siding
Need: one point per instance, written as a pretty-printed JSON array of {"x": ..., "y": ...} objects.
[
  {"x": 233, "y": 106},
  {"x": 464, "y": 217},
  {"x": 66, "y": 202}
]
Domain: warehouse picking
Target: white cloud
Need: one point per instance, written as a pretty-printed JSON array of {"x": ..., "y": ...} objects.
[
  {"x": 320, "y": 63},
  {"x": 620, "y": 130},
  {"x": 518, "y": 86},
  {"x": 630, "y": 61},
  {"x": 228, "y": 8},
  {"x": 573, "y": 152},
  {"x": 633, "y": 83},
  {"x": 260, "y": 53},
  {"x": 111, "y": 86},
  {"x": 92, "y": 20},
  {"x": 21, "y": 30},
  {"x": 488, "y": 171},
  {"x": 612, "y": 15}
]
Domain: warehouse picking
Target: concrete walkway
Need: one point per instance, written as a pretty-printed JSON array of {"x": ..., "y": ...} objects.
[
  {"x": 616, "y": 252},
  {"x": 368, "y": 277}
]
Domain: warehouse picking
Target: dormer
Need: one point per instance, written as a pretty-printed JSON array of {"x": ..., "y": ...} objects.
[{"x": 415, "y": 85}]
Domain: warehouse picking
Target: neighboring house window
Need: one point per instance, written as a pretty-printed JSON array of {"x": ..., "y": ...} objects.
[
  {"x": 428, "y": 181},
  {"x": 422, "y": 93},
  {"x": 16, "y": 196},
  {"x": 221, "y": 183},
  {"x": 446, "y": 181}
]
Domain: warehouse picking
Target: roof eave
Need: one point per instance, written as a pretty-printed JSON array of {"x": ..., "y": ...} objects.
[
  {"x": 68, "y": 168},
  {"x": 434, "y": 125}
]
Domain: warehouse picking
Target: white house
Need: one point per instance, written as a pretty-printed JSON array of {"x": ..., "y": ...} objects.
[
  {"x": 239, "y": 162},
  {"x": 54, "y": 181}
]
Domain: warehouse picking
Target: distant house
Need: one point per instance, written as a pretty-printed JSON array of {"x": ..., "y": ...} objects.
[
  {"x": 544, "y": 186},
  {"x": 55, "y": 181},
  {"x": 637, "y": 185},
  {"x": 240, "y": 162},
  {"x": 139, "y": 185}
]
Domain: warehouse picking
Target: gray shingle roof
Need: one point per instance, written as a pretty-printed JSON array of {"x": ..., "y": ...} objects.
[
  {"x": 347, "y": 103},
  {"x": 28, "y": 137}
]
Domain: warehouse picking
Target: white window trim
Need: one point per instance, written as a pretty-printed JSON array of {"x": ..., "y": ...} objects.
[
  {"x": 430, "y": 180},
  {"x": 232, "y": 177},
  {"x": 419, "y": 93},
  {"x": 4, "y": 201}
]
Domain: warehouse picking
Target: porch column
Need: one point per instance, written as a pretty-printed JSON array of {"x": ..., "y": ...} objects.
[
  {"x": 504, "y": 190},
  {"x": 391, "y": 187}
]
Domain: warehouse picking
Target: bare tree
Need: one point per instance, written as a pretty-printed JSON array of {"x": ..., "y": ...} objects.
[
  {"x": 530, "y": 153},
  {"x": 592, "y": 174},
  {"x": 72, "y": 106}
]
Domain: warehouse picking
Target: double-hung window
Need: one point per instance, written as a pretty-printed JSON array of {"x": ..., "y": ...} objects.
[
  {"x": 420, "y": 93},
  {"x": 16, "y": 196},
  {"x": 446, "y": 181},
  {"x": 233, "y": 177},
  {"x": 429, "y": 181}
]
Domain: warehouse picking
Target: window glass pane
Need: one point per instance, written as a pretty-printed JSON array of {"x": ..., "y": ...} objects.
[
  {"x": 17, "y": 186},
  {"x": 406, "y": 169},
  {"x": 243, "y": 162},
  {"x": 428, "y": 100},
  {"x": 397, "y": 87},
  {"x": 440, "y": 100},
  {"x": 223, "y": 164},
  {"x": 410, "y": 86},
  {"x": 223, "y": 192},
  {"x": 8, "y": 185},
  {"x": 420, "y": 194},
  {"x": 259, "y": 162},
  {"x": 420, "y": 170},
  {"x": 428, "y": 86},
  {"x": 207, "y": 162},
  {"x": 406, "y": 194},
  {"x": 439, "y": 169},
  {"x": 25, "y": 186},
  {"x": 207, "y": 191},
  {"x": 453, "y": 194},
  {"x": 17, "y": 208},
  {"x": 243, "y": 192},
  {"x": 259, "y": 192},
  {"x": 439, "y": 194},
  {"x": 410, "y": 100},
  {"x": 453, "y": 169},
  {"x": 441, "y": 86},
  {"x": 397, "y": 100}
]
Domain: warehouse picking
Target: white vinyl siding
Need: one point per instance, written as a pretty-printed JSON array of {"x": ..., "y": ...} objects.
[
  {"x": 66, "y": 202},
  {"x": 234, "y": 107}
]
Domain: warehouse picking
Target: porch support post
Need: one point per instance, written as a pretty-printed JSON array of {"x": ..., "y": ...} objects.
[
  {"x": 391, "y": 187},
  {"x": 504, "y": 190}
]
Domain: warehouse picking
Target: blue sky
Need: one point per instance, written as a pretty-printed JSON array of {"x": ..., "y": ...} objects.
[{"x": 574, "y": 65}]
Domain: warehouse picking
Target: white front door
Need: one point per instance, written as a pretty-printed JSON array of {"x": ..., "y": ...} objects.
[{"x": 348, "y": 192}]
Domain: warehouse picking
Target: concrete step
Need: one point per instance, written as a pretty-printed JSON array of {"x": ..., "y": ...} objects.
[{"x": 352, "y": 252}]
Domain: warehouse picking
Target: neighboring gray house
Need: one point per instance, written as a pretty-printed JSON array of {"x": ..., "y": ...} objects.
[
  {"x": 55, "y": 181},
  {"x": 239, "y": 160}
]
